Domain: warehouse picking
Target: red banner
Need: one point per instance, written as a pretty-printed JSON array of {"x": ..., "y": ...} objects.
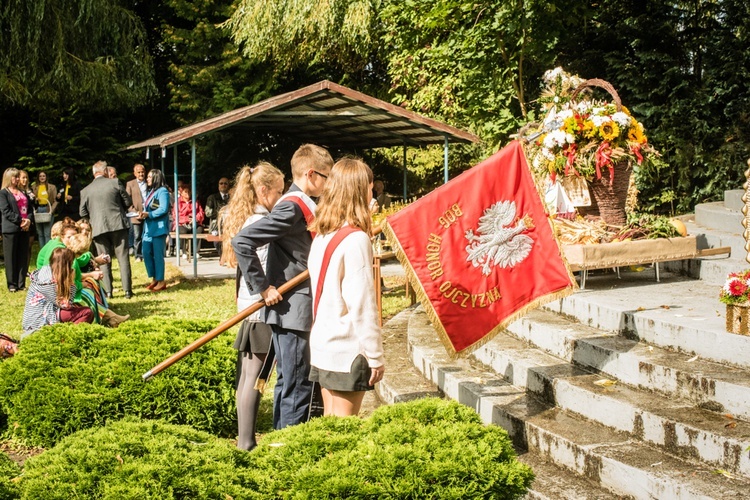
[{"x": 480, "y": 250}]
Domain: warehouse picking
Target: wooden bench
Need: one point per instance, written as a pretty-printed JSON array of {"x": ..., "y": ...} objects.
[{"x": 189, "y": 237}]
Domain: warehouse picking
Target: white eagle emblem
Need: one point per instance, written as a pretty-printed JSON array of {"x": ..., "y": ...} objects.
[{"x": 497, "y": 242}]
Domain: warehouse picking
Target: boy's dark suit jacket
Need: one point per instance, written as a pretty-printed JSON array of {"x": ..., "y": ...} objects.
[{"x": 285, "y": 230}]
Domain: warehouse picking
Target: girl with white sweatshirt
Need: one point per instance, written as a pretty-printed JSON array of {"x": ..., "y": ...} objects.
[{"x": 346, "y": 345}]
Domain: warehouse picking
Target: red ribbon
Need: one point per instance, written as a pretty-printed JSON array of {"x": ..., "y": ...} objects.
[
  {"x": 571, "y": 154},
  {"x": 636, "y": 149},
  {"x": 604, "y": 159}
]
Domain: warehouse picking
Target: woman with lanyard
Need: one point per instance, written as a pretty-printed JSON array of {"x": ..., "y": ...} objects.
[
  {"x": 17, "y": 218},
  {"x": 155, "y": 217}
]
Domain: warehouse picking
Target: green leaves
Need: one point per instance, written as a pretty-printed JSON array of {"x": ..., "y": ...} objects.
[
  {"x": 58, "y": 54},
  {"x": 72, "y": 377}
]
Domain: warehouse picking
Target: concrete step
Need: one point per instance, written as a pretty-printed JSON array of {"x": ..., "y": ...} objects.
[
  {"x": 679, "y": 314},
  {"x": 675, "y": 425},
  {"x": 612, "y": 460},
  {"x": 733, "y": 199},
  {"x": 554, "y": 483},
  {"x": 401, "y": 381},
  {"x": 717, "y": 216},
  {"x": 712, "y": 270},
  {"x": 703, "y": 383}
]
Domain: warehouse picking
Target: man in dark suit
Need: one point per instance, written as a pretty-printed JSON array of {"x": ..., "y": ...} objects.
[
  {"x": 105, "y": 202},
  {"x": 137, "y": 191},
  {"x": 214, "y": 204},
  {"x": 285, "y": 232}
]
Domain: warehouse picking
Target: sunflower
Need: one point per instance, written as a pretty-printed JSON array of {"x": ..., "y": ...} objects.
[
  {"x": 589, "y": 129},
  {"x": 635, "y": 134},
  {"x": 609, "y": 130}
]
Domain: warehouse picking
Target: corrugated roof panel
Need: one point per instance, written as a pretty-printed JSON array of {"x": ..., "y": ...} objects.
[{"x": 310, "y": 112}]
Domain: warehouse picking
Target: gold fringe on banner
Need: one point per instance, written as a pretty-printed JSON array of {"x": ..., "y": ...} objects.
[{"x": 411, "y": 275}]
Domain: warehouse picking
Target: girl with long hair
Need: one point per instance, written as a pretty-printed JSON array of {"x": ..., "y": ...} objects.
[
  {"x": 46, "y": 202},
  {"x": 89, "y": 292},
  {"x": 346, "y": 345},
  {"x": 51, "y": 294},
  {"x": 155, "y": 217},
  {"x": 69, "y": 196},
  {"x": 255, "y": 193}
]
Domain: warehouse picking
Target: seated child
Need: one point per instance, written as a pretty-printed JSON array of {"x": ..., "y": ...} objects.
[{"x": 51, "y": 293}]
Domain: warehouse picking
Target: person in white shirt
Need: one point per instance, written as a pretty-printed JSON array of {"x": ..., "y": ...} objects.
[
  {"x": 256, "y": 192},
  {"x": 346, "y": 344}
]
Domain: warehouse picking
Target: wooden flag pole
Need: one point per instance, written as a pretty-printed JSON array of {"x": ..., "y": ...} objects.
[{"x": 283, "y": 289}]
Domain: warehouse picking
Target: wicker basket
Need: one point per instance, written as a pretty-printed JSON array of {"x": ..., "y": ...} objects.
[
  {"x": 737, "y": 318},
  {"x": 608, "y": 196}
]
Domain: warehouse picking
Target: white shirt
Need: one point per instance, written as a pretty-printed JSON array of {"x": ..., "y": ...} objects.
[
  {"x": 143, "y": 186},
  {"x": 347, "y": 322},
  {"x": 244, "y": 298}
]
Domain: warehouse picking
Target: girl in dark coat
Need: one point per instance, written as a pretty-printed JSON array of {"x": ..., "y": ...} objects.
[{"x": 69, "y": 196}]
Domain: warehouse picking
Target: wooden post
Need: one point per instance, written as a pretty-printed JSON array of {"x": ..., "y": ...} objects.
[{"x": 746, "y": 211}]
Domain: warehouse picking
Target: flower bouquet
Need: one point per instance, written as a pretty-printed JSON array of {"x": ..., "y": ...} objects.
[
  {"x": 736, "y": 289},
  {"x": 735, "y": 294},
  {"x": 582, "y": 138}
]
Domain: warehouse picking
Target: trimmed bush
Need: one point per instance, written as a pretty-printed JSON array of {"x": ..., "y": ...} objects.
[
  {"x": 422, "y": 449},
  {"x": 71, "y": 377},
  {"x": 140, "y": 459},
  {"x": 8, "y": 471}
]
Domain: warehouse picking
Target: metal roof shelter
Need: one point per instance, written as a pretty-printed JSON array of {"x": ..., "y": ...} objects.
[{"x": 324, "y": 113}]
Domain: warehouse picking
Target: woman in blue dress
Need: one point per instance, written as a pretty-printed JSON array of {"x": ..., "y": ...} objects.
[{"x": 155, "y": 217}]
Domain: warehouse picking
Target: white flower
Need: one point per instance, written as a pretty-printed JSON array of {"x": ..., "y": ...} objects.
[
  {"x": 552, "y": 74},
  {"x": 557, "y": 138},
  {"x": 622, "y": 119},
  {"x": 565, "y": 114},
  {"x": 599, "y": 120},
  {"x": 583, "y": 107}
]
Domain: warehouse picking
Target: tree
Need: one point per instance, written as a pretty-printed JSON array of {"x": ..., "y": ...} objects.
[{"x": 59, "y": 53}]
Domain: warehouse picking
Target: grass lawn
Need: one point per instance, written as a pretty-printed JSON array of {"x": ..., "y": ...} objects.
[{"x": 186, "y": 298}]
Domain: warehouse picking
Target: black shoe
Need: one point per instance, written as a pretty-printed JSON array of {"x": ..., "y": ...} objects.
[
  {"x": 128, "y": 295},
  {"x": 12, "y": 290}
]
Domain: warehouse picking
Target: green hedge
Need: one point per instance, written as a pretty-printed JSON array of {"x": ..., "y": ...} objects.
[
  {"x": 423, "y": 449},
  {"x": 9, "y": 470},
  {"x": 140, "y": 459},
  {"x": 67, "y": 378},
  {"x": 428, "y": 448}
]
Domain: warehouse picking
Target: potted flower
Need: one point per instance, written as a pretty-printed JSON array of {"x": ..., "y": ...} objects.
[
  {"x": 585, "y": 138},
  {"x": 735, "y": 294}
]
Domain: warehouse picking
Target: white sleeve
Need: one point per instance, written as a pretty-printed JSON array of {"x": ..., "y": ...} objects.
[{"x": 358, "y": 292}]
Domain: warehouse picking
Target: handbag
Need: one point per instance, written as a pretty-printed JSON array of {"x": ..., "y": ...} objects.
[{"x": 43, "y": 217}]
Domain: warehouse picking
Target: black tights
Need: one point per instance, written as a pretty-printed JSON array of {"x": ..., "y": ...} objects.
[{"x": 248, "y": 398}]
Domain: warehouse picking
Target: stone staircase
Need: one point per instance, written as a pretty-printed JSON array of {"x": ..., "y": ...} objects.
[{"x": 628, "y": 389}]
